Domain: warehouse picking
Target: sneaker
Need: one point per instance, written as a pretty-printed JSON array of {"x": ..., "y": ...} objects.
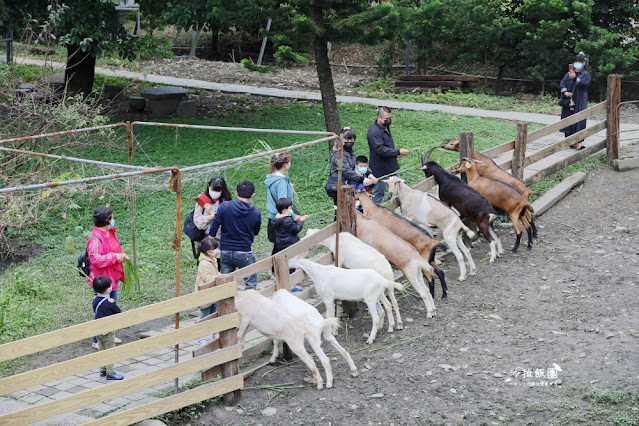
[
  {"x": 114, "y": 376},
  {"x": 95, "y": 346},
  {"x": 102, "y": 373},
  {"x": 296, "y": 288}
]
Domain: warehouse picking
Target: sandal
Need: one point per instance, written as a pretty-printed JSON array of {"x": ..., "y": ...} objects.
[
  {"x": 118, "y": 341},
  {"x": 94, "y": 345}
]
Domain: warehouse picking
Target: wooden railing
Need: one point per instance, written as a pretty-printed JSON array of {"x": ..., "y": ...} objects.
[{"x": 226, "y": 324}]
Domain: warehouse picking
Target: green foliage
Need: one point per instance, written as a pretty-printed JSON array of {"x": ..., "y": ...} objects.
[
  {"x": 190, "y": 412},
  {"x": 286, "y": 56},
  {"x": 249, "y": 65},
  {"x": 154, "y": 47},
  {"x": 601, "y": 406}
]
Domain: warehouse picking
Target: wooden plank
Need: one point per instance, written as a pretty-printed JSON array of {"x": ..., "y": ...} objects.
[
  {"x": 438, "y": 77},
  {"x": 208, "y": 348},
  {"x": 294, "y": 250},
  {"x": 87, "y": 362},
  {"x": 104, "y": 393},
  {"x": 612, "y": 134},
  {"x": 426, "y": 184},
  {"x": 428, "y": 84},
  {"x": 577, "y": 156},
  {"x": 499, "y": 149},
  {"x": 552, "y": 197},
  {"x": 555, "y": 127},
  {"x": 171, "y": 403},
  {"x": 506, "y": 165},
  {"x": 519, "y": 154},
  {"x": 564, "y": 143},
  {"x": 88, "y": 329}
]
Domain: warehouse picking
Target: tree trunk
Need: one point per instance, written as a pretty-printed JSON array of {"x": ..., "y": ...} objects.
[
  {"x": 80, "y": 71},
  {"x": 500, "y": 78},
  {"x": 325, "y": 76},
  {"x": 215, "y": 37}
]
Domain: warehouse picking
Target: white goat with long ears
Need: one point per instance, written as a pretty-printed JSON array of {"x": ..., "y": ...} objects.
[
  {"x": 277, "y": 323},
  {"x": 356, "y": 254},
  {"x": 399, "y": 253},
  {"x": 314, "y": 321},
  {"x": 333, "y": 283},
  {"x": 427, "y": 210}
]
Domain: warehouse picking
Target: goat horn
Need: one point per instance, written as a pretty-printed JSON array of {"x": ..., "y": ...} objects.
[{"x": 430, "y": 151}]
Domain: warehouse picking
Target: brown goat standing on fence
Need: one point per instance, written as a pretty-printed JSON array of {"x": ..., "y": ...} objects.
[
  {"x": 502, "y": 196},
  {"x": 409, "y": 232}
]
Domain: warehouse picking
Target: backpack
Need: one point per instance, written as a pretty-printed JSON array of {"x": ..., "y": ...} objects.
[
  {"x": 193, "y": 232},
  {"x": 84, "y": 264}
]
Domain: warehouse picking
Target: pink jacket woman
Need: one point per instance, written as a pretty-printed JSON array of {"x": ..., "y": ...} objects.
[{"x": 104, "y": 249}]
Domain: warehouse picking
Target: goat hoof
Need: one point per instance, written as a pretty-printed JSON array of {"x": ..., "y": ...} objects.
[
  {"x": 444, "y": 296},
  {"x": 320, "y": 386},
  {"x": 462, "y": 278},
  {"x": 514, "y": 250},
  {"x": 399, "y": 326},
  {"x": 473, "y": 272},
  {"x": 390, "y": 330},
  {"x": 354, "y": 373},
  {"x": 329, "y": 386},
  {"x": 529, "y": 247},
  {"x": 369, "y": 342},
  {"x": 272, "y": 361},
  {"x": 492, "y": 260},
  {"x": 430, "y": 314}
]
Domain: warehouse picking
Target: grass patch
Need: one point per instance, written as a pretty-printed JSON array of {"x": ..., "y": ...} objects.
[
  {"x": 598, "y": 406},
  {"x": 546, "y": 104}
]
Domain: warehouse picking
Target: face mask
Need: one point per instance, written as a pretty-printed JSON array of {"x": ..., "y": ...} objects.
[
  {"x": 290, "y": 212},
  {"x": 112, "y": 224},
  {"x": 362, "y": 170},
  {"x": 348, "y": 145},
  {"x": 578, "y": 66},
  {"x": 388, "y": 122},
  {"x": 216, "y": 252},
  {"x": 215, "y": 194}
]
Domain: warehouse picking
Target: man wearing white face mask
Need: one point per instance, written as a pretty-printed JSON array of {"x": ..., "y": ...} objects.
[{"x": 574, "y": 86}]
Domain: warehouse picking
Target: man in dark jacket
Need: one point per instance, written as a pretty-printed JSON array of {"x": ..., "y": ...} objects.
[
  {"x": 383, "y": 154},
  {"x": 349, "y": 164},
  {"x": 240, "y": 222}
]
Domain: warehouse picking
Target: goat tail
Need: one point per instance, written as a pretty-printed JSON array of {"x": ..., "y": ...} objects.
[
  {"x": 468, "y": 232},
  {"x": 330, "y": 325},
  {"x": 392, "y": 285}
]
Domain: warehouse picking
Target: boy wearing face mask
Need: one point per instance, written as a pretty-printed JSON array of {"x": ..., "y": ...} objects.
[
  {"x": 574, "y": 85},
  {"x": 361, "y": 167}
]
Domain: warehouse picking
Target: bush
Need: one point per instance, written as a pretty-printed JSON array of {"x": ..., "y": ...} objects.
[
  {"x": 249, "y": 65},
  {"x": 286, "y": 56}
]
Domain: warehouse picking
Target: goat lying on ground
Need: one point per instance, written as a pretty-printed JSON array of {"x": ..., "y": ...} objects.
[
  {"x": 313, "y": 321},
  {"x": 399, "y": 253},
  {"x": 407, "y": 231},
  {"x": 427, "y": 210},
  {"x": 333, "y": 283},
  {"x": 502, "y": 196},
  {"x": 277, "y": 323},
  {"x": 486, "y": 167},
  {"x": 355, "y": 254}
]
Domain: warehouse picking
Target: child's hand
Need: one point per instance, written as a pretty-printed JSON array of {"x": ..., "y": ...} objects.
[{"x": 298, "y": 218}]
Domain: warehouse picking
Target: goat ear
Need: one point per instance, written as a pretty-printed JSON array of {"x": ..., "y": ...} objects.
[{"x": 478, "y": 161}]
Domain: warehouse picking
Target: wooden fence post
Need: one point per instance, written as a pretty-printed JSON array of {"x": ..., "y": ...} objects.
[
  {"x": 519, "y": 154},
  {"x": 228, "y": 338},
  {"x": 347, "y": 224},
  {"x": 466, "y": 148},
  {"x": 613, "y": 121},
  {"x": 282, "y": 274}
]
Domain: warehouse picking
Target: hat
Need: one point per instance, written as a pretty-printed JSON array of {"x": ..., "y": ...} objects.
[
  {"x": 349, "y": 134},
  {"x": 580, "y": 57}
]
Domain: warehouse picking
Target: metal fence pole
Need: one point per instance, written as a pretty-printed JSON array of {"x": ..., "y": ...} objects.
[{"x": 264, "y": 40}]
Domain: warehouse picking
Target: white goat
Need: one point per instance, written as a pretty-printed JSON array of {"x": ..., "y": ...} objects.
[
  {"x": 399, "y": 253},
  {"x": 356, "y": 254},
  {"x": 423, "y": 208},
  {"x": 314, "y": 321},
  {"x": 277, "y": 323},
  {"x": 333, "y": 283}
]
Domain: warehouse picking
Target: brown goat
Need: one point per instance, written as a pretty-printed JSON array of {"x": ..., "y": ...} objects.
[
  {"x": 399, "y": 253},
  {"x": 502, "y": 196},
  {"x": 409, "y": 232}
]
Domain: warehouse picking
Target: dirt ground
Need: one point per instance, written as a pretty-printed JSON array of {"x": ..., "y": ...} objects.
[{"x": 567, "y": 307}]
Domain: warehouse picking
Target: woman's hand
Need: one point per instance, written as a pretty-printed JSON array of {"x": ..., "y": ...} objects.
[
  {"x": 572, "y": 73},
  {"x": 210, "y": 217},
  {"x": 121, "y": 257},
  {"x": 207, "y": 207},
  {"x": 292, "y": 185},
  {"x": 568, "y": 94}
]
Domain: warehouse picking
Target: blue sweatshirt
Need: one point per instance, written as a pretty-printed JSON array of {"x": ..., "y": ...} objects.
[
  {"x": 277, "y": 186},
  {"x": 240, "y": 222}
]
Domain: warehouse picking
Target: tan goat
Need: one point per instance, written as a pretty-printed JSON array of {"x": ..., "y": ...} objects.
[
  {"x": 501, "y": 196},
  {"x": 399, "y": 253},
  {"x": 409, "y": 232}
]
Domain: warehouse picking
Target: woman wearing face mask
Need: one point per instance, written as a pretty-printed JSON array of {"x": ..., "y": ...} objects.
[
  {"x": 574, "y": 86},
  {"x": 349, "y": 164},
  {"x": 208, "y": 202},
  {"x": 105, "y": 253}
]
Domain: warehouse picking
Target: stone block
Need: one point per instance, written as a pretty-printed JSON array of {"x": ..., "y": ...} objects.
[
  {"x": 162, "y": 107},
  {"x": 137, "y": 103},
  {"x": 165, "y": 92},
  {"x": 625, "y": 164},
  {"x": 186, "y": 109}
]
